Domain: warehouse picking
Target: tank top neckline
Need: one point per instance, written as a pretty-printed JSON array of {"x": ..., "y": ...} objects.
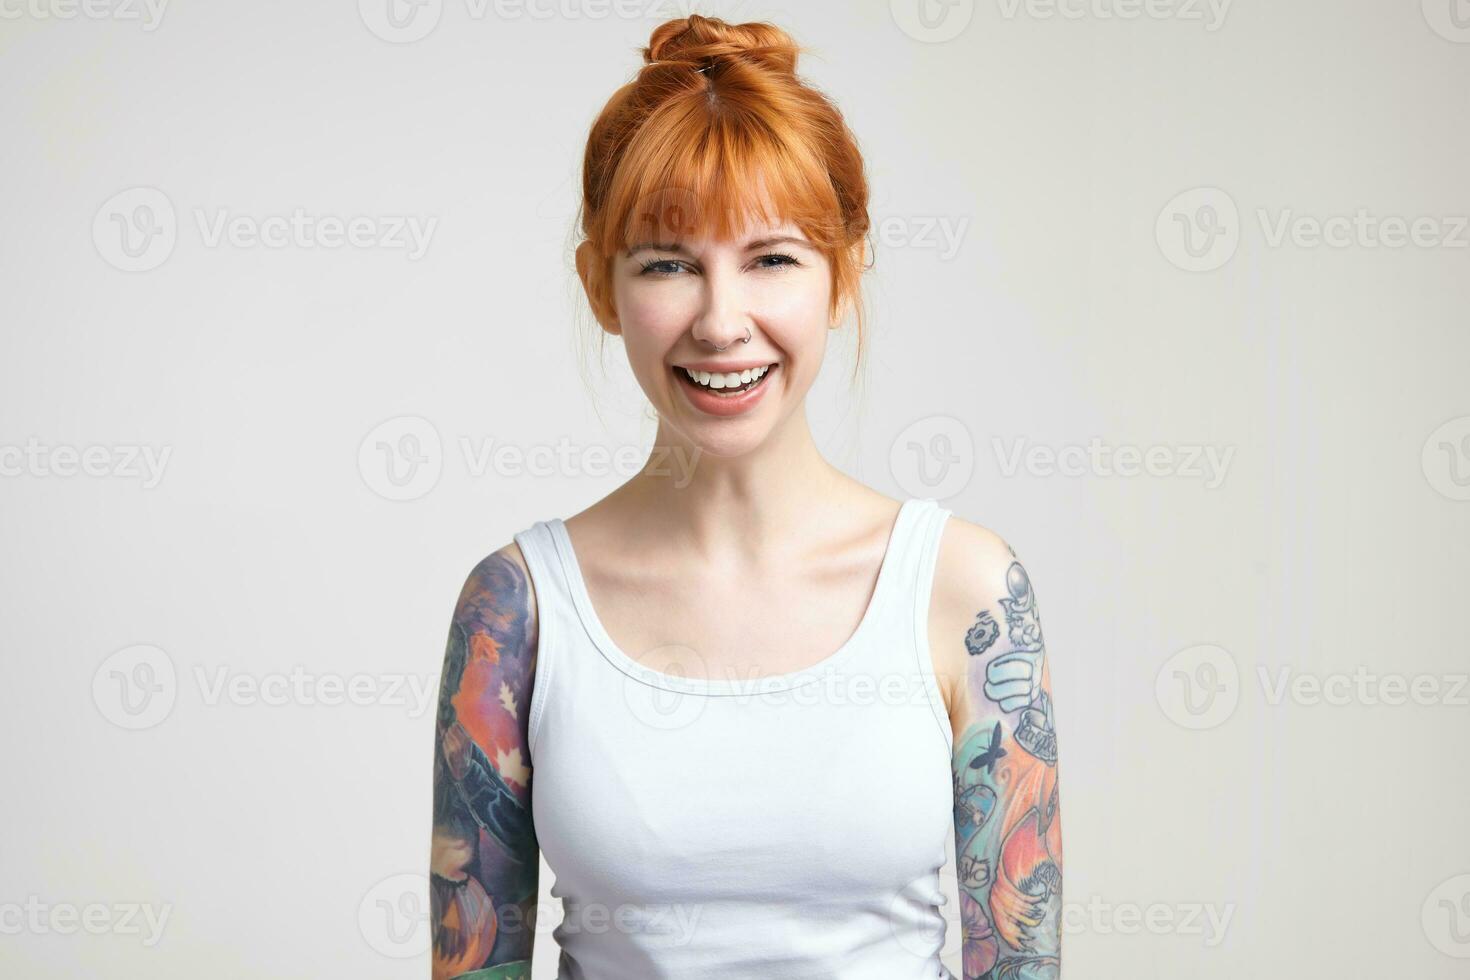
[{"x": 592, "y": 623}]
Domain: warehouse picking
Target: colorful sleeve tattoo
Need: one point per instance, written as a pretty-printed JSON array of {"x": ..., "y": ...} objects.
[
  {"x": 484, "y": 859},
  {"x": 1008, "y": 841}
]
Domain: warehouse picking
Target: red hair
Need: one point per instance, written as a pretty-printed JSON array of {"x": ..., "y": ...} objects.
[{"x": 716, "y": 125}]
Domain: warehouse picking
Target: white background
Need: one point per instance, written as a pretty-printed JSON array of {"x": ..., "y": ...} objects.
[{"x": 1052, "y": 143}]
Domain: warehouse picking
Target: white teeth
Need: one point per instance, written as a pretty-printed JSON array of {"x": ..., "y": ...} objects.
[{"x": 731, "y": 380}]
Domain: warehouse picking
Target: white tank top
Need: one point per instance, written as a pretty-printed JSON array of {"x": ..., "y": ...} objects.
[{"x": 787, "y": 826}]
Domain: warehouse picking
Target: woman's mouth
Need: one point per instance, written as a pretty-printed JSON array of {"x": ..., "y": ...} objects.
[
  {"x": 729, "y": 383},
  {"x": 724, "y": 392}
]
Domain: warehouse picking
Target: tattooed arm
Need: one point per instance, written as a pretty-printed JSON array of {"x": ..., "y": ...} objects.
[
  {"x": 985, "y": 632},
  {"x": 484, "y": 858}
]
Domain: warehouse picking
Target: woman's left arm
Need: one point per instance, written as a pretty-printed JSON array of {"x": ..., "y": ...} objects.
[{"x": 986, "y": 633}]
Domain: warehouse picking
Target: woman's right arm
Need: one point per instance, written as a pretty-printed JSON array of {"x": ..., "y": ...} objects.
[{"x": 484, "y": 859}]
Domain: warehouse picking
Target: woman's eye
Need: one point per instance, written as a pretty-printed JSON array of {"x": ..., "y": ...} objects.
[
  {"x": 660, "y": 267},
  {"x": 781, "y": 259},
  {"x": 665, "y": 268}
]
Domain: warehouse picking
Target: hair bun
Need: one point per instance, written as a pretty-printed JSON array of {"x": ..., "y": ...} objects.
[{"x": 703, "y": 41}]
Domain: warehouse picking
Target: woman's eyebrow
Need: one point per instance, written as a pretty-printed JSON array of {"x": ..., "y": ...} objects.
[
  {"x": 658, "y": 247},
  {"x": 750, "y": 246},
  {"x": 777, "y": 240}
]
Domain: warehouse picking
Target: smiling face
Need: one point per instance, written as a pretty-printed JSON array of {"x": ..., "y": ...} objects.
[{"x": 678, "y": 298}]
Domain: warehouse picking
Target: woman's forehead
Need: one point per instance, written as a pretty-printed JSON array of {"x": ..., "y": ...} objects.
[
  {"x": 684, "y": 219},
  {"x": 723, "y": 207}
]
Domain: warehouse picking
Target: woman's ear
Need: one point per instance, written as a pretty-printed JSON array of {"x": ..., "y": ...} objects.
[
  {"x": 845, "y": 301},
  {"x": 844, "y": 306},
  {"x": 838, "y": 315},
  {"x": 592, "y": 270}
]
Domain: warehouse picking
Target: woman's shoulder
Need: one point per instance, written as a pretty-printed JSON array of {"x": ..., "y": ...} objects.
[
  {"x": 972, "y": 573},
  {"x": 503, "y": 561},
  {"x": 971, "y": 556},
  {"x": 498, "y": 598}
]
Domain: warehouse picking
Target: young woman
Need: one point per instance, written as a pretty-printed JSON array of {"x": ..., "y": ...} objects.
[{"x": 741, "y": 711}]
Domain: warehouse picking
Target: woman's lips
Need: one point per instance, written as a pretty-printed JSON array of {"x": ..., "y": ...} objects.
[{"x": 722, "y": 402}]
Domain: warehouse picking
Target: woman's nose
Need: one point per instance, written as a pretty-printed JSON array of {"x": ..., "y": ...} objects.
[{"x": 723, "y": 318}]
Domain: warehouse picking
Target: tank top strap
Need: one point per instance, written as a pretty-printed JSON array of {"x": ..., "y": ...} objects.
[
  {"x": 538, "y": 547},
  {"x": 556, "y": 617},
  {"x": 902, "y": 641},
  {"x": 909, "y": 566},
  {"x": 927, "y": 533}
]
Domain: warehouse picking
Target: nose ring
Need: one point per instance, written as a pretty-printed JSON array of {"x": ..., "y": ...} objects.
[{"x": 744, "y": 340}]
